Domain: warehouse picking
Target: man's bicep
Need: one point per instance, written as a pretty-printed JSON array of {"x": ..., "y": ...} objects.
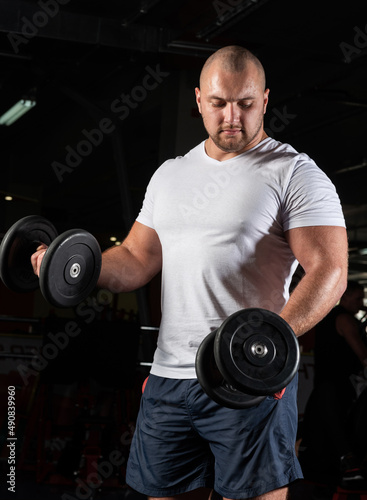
[
  {"x": 322, "y": 252},
  {"x": 315, "y": 246},
  {"x": 144, "y": 244}
]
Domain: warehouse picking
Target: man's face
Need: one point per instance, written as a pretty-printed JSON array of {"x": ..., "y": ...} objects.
[{"x": 232, "y": 106}]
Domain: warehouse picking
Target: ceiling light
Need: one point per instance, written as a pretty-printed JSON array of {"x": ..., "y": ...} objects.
[
  {"x": 113, "y": 238},
  {"x": 16, "y": 111},
  {"x": 117, "y": 243},
  {"x": 8, "y": 198}
]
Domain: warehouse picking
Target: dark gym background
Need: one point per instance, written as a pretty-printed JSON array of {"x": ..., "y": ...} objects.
[{"x": 113, "y": 83}]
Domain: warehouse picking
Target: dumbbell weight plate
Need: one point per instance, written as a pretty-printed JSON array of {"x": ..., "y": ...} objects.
[
  {"x": 16, "y": 248},
  {"x": 256, "y": 351},
  {"x": 213, "y": 383},
  {"x": 70, "y": 268}
]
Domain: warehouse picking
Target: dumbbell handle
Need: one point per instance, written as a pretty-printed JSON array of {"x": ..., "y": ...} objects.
[{"x": 34, "y": 260}]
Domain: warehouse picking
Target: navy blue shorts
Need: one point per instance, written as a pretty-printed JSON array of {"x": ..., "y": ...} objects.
[{"x": 184, "y": 440}]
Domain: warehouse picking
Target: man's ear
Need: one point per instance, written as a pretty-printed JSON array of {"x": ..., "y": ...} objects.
[
  {"x": 198, "y": 97},
  {"x": 266, "y": 99}
]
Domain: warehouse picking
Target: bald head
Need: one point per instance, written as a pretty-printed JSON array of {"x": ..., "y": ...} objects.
[
  {"x": 233, "y": 59},
  {"x": 232, "y": 100}
]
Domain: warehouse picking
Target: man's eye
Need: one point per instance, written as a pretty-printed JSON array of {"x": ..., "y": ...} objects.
[
  {"x": 218, "y": 104},
  {"x": 244, "y": 104}
]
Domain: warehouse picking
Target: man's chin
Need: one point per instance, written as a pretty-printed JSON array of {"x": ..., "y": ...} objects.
[{"x": 231, "y": 145}]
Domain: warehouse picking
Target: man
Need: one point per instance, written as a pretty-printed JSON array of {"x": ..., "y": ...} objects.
[{"x": 225, "y": 224}]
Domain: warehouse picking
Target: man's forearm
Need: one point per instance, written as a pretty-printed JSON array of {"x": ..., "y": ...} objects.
[{"x": 315, "y": 295}]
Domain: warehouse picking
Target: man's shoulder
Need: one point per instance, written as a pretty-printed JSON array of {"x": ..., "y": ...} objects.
[
  {"x": 285, "y": 154},
  {"x": 194, "y": 154},
  {"x": 271, "y": 145}
]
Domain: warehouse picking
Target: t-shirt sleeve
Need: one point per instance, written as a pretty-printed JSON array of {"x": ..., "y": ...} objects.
[
  {"x": 146, "y": 212},
  {"x": 311, "y": 199}
]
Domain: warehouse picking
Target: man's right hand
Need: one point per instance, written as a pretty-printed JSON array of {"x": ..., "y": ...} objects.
[{"x": 37, "y": 257}]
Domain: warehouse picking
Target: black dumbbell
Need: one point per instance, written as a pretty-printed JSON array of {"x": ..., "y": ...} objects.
[
  {"x": 253, "y": 354},
  {"x": 70, "y": 267}
]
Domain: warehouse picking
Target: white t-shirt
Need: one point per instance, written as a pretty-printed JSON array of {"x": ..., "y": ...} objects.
[{"x": 221, "y": 226}]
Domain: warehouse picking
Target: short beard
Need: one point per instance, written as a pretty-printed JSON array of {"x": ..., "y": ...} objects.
[{"x": 233, "y": 145}]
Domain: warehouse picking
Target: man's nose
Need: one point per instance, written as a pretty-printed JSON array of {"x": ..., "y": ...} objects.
[{"x": 231, "y": 113}]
